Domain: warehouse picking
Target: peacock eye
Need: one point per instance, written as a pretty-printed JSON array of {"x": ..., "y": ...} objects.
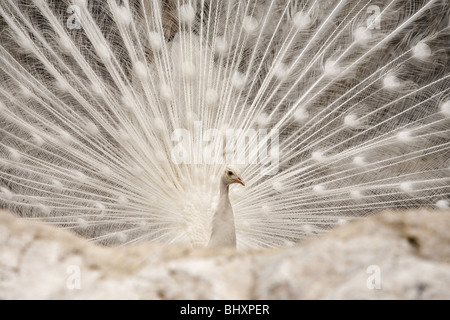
[{"x": 230, "y": 173}]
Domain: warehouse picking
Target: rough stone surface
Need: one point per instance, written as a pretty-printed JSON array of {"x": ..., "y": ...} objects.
[{"x": 401, "y": 255}]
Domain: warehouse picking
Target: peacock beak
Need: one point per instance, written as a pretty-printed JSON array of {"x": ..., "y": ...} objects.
[{"x": 239, "y": 180}]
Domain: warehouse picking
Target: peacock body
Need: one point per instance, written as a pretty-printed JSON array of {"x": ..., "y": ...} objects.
[{"x": 118, "y": 117}]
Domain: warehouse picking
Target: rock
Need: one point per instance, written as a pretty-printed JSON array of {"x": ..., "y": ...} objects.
[{"x": 392, "y": 255}]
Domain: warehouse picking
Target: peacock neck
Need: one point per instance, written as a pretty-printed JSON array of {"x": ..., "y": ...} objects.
[
  {"x": 224, "y": 190},
  {"x": 223, "y": 229},
  {"x": 224, "y": 202}
]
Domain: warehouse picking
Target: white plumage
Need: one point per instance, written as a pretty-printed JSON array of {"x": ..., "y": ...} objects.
[{"x": 117, "y": 117}]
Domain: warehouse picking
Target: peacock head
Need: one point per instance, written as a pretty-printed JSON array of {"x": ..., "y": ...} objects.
[{"x": 232, "y": 175}]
